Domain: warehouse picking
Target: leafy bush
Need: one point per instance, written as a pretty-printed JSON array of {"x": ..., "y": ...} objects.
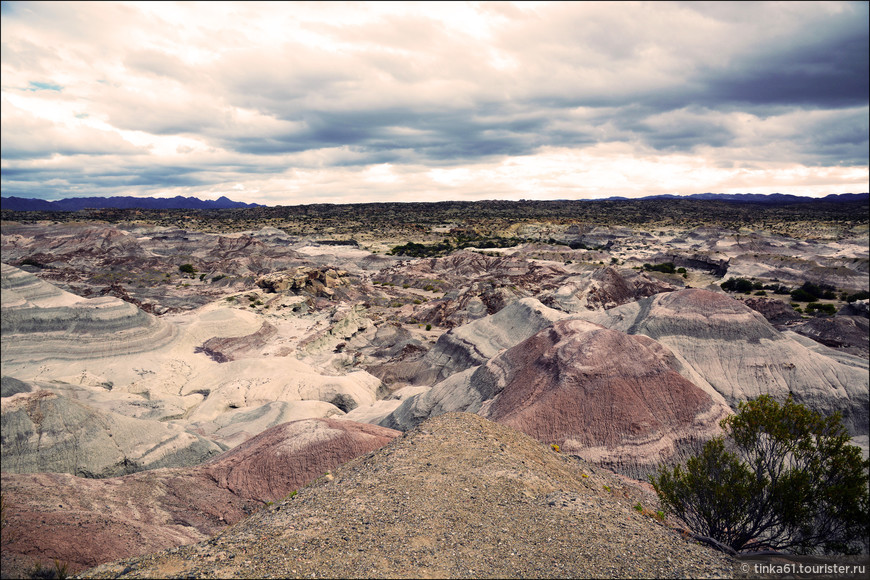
[
  {"x": 810, "y": 292},
  {"x": 187, "y": 269},
  {"x": 801, "y": 295},
  {"x": 667, "y": 267},
  {"x": 416, "y": 250},
  {"x": 738, "y": 285},
  {"x": 819, "y": 307},
  {"x": 862, "y": 295},
  {"x": 785, "y": 478}
]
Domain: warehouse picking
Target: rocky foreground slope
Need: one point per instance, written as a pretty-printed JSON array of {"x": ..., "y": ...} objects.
[{"x": 458, "y": 497}]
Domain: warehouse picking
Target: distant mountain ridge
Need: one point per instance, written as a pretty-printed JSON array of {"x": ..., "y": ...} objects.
[
  {"x": 766, "y": 198},
  {"x": 121, "y": 202},
  {"x": 179, "y": 202}
]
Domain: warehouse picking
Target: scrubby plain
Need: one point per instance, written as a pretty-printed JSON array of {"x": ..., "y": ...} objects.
[{"x": 162, "y": 342}]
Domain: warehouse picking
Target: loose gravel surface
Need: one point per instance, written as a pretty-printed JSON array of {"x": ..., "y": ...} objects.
[{"x": 457, "y": 497}]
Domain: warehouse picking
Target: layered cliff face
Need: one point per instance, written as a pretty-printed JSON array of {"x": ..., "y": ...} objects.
[
  {"x": 98, "y": 388},
  {"x": 39, "y": 321},
  {"x": 726, "y": 346}
]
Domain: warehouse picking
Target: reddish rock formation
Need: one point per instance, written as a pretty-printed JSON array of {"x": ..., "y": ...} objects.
[
  {"x": 284, "y": 458},
  {"x": 725, "y": 345},
  {"x": 609, "y": 397},
  {"x": 775, "y": 311},
  {"x": 847, "y": 333},
  {"x": 84, "y": 522},
  {"x": 604, "y": 395},
  {"x": 224, "y": 349}
]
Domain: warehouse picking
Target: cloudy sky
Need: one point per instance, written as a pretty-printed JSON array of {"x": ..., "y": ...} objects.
[{"x": 286, "y": 103}]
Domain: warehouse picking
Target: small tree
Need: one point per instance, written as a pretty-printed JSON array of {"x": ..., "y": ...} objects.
[
  {"x": 187, "y": 269},
  {"x": 783, "y": 478}
]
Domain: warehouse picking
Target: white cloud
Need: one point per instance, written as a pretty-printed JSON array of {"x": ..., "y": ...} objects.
[{"x": 296, "y": 102}]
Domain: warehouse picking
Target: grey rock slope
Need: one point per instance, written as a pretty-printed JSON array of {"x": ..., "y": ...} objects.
[
  {"x": 47, "y": 432},
  {"x": 727, "y": 346},
  {"x": 457, "y": 497},
  {"x": 474, "y": 343},
  {"x": 604, "y": 288}
]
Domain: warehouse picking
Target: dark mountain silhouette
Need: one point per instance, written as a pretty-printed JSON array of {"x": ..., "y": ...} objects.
[
  {"x": 765, "y": 198},
  {"x": 121, "y": 202}
]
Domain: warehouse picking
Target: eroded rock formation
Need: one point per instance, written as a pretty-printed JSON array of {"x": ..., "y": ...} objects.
[
  {"x": 84, "y": 522},
  {"x": 606, "y": 396},
  {"x": 725, "y": 345}
]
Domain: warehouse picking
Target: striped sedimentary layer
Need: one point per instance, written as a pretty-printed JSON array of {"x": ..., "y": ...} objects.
[{"x": 41, "y": 321}]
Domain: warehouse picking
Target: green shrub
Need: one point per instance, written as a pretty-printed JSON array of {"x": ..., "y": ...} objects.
[
  {"x": 737, "y": 285},
  {"x": 59, "y": 570},
  {"x": 667, "y": 267},
  {"x": 801, "y": 295},
  {"x": 862, "y": 295},
  {"x": 819, "y": 307},
  {"x": 783, "y": 478},
  {"x": 810, "y": 292},
  {"x": 187, "y": 269}
]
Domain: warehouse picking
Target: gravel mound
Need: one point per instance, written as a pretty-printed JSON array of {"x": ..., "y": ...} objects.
[{"x": 458, "y": 497}]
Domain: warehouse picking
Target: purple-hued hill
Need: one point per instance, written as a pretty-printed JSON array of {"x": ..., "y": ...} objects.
[
  {"x": 85, "y": 522},
  {"x": 120, "y": 202}
]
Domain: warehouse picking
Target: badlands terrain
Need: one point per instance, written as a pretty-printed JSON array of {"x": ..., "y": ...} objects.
[{"x": 378, "y": 388}]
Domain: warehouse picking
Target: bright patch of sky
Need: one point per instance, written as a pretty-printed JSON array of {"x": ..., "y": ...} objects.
[{"x": 288, "y": 103}]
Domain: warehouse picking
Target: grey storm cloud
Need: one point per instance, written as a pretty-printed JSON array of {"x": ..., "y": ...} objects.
[{"x": 737, "y": 82}]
